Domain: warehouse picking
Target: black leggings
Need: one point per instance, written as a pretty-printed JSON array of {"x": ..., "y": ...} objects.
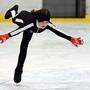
[{"x": 27, "y": 35}]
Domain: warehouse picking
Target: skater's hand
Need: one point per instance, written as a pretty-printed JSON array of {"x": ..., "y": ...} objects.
[
  {"x": 3, "y": 38},
  {"x": 76, "y": 41}
]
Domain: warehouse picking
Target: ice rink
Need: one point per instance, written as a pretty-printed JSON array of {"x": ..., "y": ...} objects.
[{"x": 52, "y": 62}]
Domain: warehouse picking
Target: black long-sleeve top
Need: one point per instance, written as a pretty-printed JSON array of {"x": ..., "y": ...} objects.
[{"x": 27, "y": 20}]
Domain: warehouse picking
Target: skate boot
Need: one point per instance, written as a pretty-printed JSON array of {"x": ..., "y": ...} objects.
[
  {"x": 17, "y": 75},
  {"x": 11, "y": 12}
]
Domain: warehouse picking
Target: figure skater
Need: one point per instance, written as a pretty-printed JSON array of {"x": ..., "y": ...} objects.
[{"x": 29, "y": 23}]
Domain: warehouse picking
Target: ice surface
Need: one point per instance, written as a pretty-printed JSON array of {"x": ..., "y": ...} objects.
[{"x": 52, "y": 63}]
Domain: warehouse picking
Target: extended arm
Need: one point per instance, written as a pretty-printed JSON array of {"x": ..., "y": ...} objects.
[
  {"x": 4, "y": 37},
  {"x": 73, "y": 40},
  {"x": 59, "y": 33}
]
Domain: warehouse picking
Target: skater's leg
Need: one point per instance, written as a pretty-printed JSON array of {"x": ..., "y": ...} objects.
[
  {"x": 23, "y": 48},
  {"x": 12, "y": 12},
  {"x": 22, "y": 55}
]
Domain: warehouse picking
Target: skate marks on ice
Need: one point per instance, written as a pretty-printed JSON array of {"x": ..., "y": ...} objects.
[
  {"x": 46, "y": 86},
  {"x": 69, "y": 79},
  {"x": 10, "y": 85},
  {"x": 31, "y": 86},
  {"x": 50, "y": 80}
]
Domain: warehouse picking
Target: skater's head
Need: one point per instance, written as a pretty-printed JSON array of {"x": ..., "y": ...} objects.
[
  {"x": 43, "y": 17},
  {"x": 42, "y": 24}
]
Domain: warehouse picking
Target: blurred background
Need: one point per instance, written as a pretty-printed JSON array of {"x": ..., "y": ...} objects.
[
  {"x": 66, "y": 8},
  {"x": 58, "y": 8}
]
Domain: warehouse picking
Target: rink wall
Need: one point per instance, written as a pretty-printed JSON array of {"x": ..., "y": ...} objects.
[
  {"x": 85, "y": 20},
  {"x": 37, "y": 4}
]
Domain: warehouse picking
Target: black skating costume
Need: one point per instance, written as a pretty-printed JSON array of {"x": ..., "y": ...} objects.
[{"x": 27, "y": 22}]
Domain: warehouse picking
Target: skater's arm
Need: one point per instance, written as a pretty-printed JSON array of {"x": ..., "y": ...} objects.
[
  {"x": 73, "y": 40},
  {"x": 57, "y": 32},
  {"x": 19, "y": 30},
  {"x": 6, "y": 36}
]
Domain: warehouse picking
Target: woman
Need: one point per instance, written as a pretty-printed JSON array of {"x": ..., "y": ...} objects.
[{"x": 29, "y": 23}]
